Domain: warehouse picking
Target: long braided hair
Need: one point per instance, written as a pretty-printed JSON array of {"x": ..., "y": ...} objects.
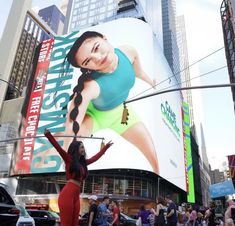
[
  {"x": 74, "y": 146},
  {"x": 84, "y": 77}
]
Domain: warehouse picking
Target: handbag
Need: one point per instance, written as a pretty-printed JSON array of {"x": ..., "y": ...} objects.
[{"x": 139, "y": 222}]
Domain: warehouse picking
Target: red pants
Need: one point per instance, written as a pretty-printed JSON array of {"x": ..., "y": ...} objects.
[{"x": 69, "y": 204}]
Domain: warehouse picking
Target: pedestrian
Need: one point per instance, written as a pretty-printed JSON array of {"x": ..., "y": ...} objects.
[
  {"x": 108, "y": 74},
  {"x": 192, "y": 219},
  {"x": 103, "y": 213},
  {"x": 116, "y": 213},
  {"x": 210, "y": 215},
  {"x": 159, "y": 213},
  {"x": 230, "y": 211},
  {"x": 76, "y": 171},
  {"x": 144, "y": 215},
  {"x": 92, "y": 210},
  {"x": 171, "y": 215}
]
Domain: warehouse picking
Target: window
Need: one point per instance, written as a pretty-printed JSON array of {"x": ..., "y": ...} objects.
[
  {"x": 108, "y": 185},
  {"x": 119, "y": 186},
  {"x": 92, "y": 6},
  {"x": 92, "y": 13},
  {"x": 129, "y": 187},
  {"x": 98, "y": 185},
  {"x": 102, "y": 10},
  {"x": 109, "y": 14},
  {"x": 137, "y": 187},
  {"x": 91, "y": 20},
  {"x": 144, "y": 191}
]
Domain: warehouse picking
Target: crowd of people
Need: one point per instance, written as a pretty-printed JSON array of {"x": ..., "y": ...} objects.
[
  {"x": 166, "y": 213},
  {"x": 107, "y": 213}
]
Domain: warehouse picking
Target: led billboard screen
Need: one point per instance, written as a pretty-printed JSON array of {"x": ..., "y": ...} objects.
[
  {"x": 188, "y": 156},
  {"x": 153, "y": 138}
]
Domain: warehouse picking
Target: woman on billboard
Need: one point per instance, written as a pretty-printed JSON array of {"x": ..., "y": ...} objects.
[{"x": 108, "y": 74}]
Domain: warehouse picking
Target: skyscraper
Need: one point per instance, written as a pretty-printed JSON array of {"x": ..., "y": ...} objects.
[
  {"x": 54, "y": 18},
  {"x": 171, "y": 50},
  {"x": 9, "y": 43},
  {"x": 86, "y": 13},
  {"x": 33, "y": 32},
  {"x": 205, "y": 174},
  {"x": 184, "y": 67}
]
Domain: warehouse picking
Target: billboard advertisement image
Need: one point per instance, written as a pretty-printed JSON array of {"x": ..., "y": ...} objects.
[{"x": 80, "y": 84}]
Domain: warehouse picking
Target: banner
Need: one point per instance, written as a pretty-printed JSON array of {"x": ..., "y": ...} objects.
[
  {"x": 25, "y": 152},
  {"x": 221, "y": 189},
  {"x": 189, "y": 161}
]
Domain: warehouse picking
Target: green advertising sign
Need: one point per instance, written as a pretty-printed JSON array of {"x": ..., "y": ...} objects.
[{"x": 187, "y": 145}]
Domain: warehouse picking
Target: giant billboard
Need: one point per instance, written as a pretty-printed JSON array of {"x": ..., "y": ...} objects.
[{"x": 124, "y": 62}]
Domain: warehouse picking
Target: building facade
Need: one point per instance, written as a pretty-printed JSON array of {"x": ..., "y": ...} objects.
[
  {"x": 184, "y": 67},
  {"x": 129, "y": 187},
  {"x": 9, "y": 43},
  {"x": 205, "y": 173},
  {"x": 170, "y": 45},
  {"x": 216, "y": 176},
  {"x": 87, "y": 13},
  {"x": 227, "y": 10},
  {"x": 196, "y": 170},
  {"x": 34, "y": 31}
]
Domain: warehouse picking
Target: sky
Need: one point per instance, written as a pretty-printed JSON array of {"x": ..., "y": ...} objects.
[{"x": 213, "y": 108}]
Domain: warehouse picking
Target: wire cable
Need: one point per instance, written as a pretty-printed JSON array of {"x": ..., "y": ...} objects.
[
  {"x": 178, "y": 72},
  {"x": 209, "y": 72},
  {"x": 40, "y": 136},
  {"x": 178, "y": 89}
]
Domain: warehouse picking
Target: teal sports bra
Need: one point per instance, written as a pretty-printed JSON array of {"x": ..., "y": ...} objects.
[{"x": 115, "y": 86}]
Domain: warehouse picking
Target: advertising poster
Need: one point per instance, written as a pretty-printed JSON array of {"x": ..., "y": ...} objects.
[
  {"x": 189, "y": 161},
  {"x": 153, "y": 138}
]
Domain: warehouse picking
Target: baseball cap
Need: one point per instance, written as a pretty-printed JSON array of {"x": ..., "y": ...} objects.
[{"x": 93, "y": 197}]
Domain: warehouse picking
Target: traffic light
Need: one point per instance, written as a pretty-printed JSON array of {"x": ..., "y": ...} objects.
[
  {"x": 125, "y": 115},
  {"x": 228, "y": 174}
]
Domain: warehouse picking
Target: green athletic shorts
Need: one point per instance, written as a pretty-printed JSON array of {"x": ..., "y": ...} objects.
[{"x": 111, "y": 119}]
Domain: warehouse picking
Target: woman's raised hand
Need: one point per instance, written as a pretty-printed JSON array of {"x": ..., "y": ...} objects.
[
  {"x": 46, "y": 131},
  {"x": 109, "y": 144}
]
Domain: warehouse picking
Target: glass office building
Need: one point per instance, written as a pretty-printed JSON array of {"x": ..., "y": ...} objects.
[
  {"x": 54, "y": 18},
  {"x": 86, "y": 13},
  {"x": 171, "y": 50}
]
